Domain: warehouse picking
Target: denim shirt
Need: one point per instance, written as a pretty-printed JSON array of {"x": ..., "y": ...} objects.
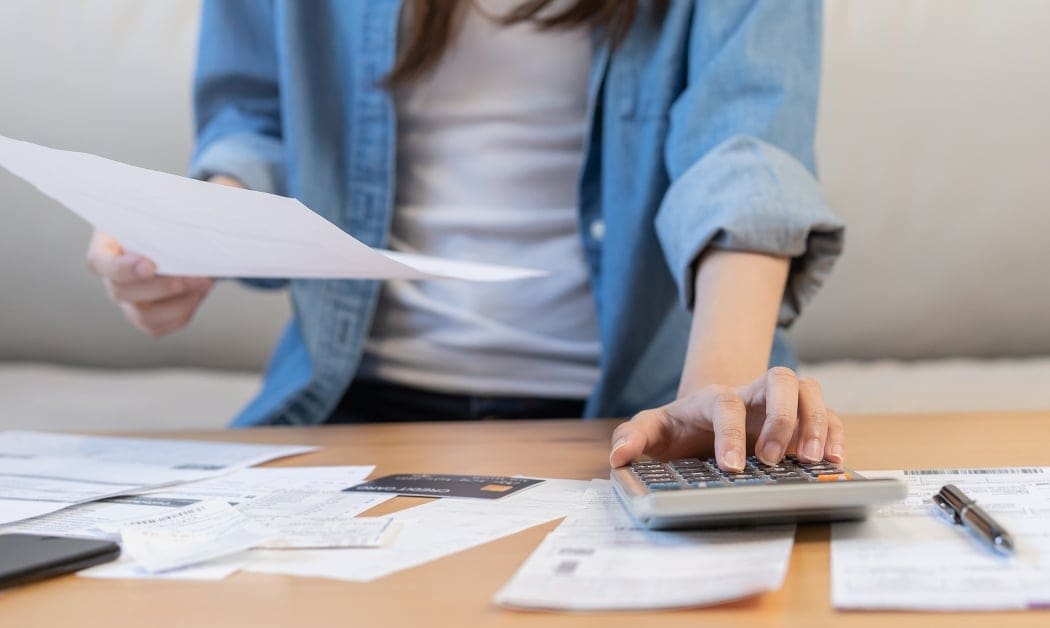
[{"x": 700, "y": 134}]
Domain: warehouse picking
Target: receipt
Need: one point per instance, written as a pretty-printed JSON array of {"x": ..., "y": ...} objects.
[
  {"x": 194, "y": 534},
  {"x": 301, "y": 519},
  {"x": 598, "y": 559},
  {"x": 906, "y": 556}
]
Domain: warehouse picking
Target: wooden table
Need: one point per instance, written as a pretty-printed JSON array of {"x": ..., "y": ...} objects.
[{"x": 456, "y": 591}]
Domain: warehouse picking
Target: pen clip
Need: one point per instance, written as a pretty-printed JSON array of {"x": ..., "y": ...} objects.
[{"x": 946, "y": 508}]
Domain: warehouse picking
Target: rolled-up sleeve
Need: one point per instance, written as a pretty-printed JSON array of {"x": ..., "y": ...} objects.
[
  {"x": 236, "y": 100},
  {"x": 739, "y": 151},
  {"x": 236, "y": 96}
]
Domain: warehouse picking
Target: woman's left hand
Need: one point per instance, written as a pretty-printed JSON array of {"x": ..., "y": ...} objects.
[{"x": 777, "y": 414}]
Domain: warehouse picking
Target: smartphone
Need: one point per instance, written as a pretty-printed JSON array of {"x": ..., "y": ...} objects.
[{"x": 28, "y": 557}]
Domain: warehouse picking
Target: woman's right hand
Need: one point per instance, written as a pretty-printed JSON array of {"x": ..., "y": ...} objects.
[{"x": 156, "y": 305}]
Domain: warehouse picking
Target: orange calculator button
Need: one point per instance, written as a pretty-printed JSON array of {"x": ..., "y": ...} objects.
[{"x": 833, "y": 477}]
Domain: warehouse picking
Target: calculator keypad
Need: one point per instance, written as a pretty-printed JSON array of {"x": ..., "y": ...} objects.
[{"x": 694, "y": 473}]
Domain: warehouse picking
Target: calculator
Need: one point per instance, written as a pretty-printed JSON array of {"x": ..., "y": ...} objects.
[{"x": 696, "y": 493}]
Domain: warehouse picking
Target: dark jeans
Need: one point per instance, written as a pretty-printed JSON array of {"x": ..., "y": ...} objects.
[{"x": 380, "y": 402}]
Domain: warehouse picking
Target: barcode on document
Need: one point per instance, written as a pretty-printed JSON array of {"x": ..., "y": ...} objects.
[
  {"x": 566, "y": 568},
  {"x": 1003, "y": 471}
]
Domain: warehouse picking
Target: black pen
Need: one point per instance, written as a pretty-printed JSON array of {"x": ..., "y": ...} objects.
[{"x": 965, "y": 512}]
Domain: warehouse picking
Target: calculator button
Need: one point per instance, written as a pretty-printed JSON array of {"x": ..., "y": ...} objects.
[
  {"x": 699, "y": 477},
  {"x": 706, "y": 484},
  {"x": 832, "y": 477},
  {"x": 664, "y": 486},
  {"x": 687, "y": 462},
  {"x": 658, "y": 479}
]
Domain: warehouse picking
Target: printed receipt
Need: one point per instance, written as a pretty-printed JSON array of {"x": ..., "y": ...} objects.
[
  {"x": 320, "y": 520},
  {"x": 598, "y": 559},
  {"x": 214, "y": 529},
  {"x": 909, "y": 557},
  {"x": 187, "y": 536}
]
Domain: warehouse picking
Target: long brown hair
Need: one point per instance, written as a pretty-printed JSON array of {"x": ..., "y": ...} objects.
[{"x": 433, "y": 23}]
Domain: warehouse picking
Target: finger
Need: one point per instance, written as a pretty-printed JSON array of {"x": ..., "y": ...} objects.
[
  {"x": 163, "y": 317},
  {"x": 812, "y": 421},
  {"x": 781, "y": 394},
  {"x": 835, "y": 447},
  {"x": 679, "y": 429},
  {"x": 149, "y": 290},
  {"x": 107, "y": 258},
  {"x": 727, "y": 413},
  {"x": 714, "y": 418},
  {"x": 633, "y": 438},
  {"x": 124, "y": 268}
]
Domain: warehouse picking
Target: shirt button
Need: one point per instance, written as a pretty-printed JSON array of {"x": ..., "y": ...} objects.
[{"x": 597, "y": 229}]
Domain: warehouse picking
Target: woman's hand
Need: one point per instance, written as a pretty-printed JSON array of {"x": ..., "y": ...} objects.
[
  {"x": 156, "y": 305},
  {"x": 776, "y": 414}
]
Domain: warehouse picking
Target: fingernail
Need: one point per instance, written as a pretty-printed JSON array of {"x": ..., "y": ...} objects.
[
  {"x": 811, "y": 449},
  {"x": 733, "y": 460},
  {"x": 620, "y": 442},
  {"x": 144, "y": 269},
  {"x": 835, "y": 453},
  {"x": 771, "y": 453}
]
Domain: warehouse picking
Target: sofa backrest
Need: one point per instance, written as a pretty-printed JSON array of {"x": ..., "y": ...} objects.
[
  {"x": 932, "y": 144},
  {"x": 932, "y": 139},
  {"x": 110, "y": 77}
]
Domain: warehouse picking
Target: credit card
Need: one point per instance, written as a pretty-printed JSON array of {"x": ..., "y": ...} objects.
[{"x": 441, "y": 485}]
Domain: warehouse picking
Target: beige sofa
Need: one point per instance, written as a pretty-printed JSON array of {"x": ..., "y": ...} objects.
[{"x": 932, "y": 145}]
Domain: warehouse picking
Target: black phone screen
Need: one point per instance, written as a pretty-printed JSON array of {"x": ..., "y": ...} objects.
[{"x": 27, "y": 557}]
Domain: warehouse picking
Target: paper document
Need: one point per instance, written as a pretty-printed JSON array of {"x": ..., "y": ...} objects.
[
  {"x": 190, "y": 227},
  {"x": 199, "y": 533},
  {"x": 909, "y": 557},
  {"x": 429, "y": 532},
  {"x": 43, "y": 472},
  {"x": 102, "y": 519},
  {"x": 598, "y": 559},
  {"x": 320, "y": 520},
  {"x": 247, "y": 484},
  {"x": 125, "y": 568},
  {"x": 191, "y": 535}
]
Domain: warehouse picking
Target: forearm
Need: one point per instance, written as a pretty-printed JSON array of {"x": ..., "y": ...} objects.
[{"x": 738, "y": 296}]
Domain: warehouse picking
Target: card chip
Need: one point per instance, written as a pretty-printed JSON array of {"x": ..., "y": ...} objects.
[{"x": 496, "y": 488}]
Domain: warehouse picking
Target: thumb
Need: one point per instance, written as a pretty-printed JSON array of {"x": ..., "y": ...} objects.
[{"x": 629, "y": 441}]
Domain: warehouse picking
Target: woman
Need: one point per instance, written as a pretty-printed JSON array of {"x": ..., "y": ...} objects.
[{"x": 655, "y": 156}]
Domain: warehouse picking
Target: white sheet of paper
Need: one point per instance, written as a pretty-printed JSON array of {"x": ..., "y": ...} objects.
[
  {"x": 320, "y": 520},
  {"x": 247, "y": 484},
  {"x": 190, "y": 227},
  {"x": 188, "y": 455},
  {"x": 43, "y": 472},
  {"x": 598, "y": 559},
  {"x": 127, "y": 569},
  {"x": 191, "y": 535},
  {"x": 102, "y": 519},
  {"x": 908, "y": 557},
  {"x": 429, "y": 532}
]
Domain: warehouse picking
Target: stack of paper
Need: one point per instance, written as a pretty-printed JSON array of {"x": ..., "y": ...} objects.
[
  {"x": 598, "y": 559},
  {"x": 909, "y": 557},
  {"x": 429, "y": 532},
  {"x": 42, "y": 472}
]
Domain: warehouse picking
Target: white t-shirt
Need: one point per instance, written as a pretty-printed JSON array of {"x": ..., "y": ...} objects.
[{"x": 490, "y": 146}]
